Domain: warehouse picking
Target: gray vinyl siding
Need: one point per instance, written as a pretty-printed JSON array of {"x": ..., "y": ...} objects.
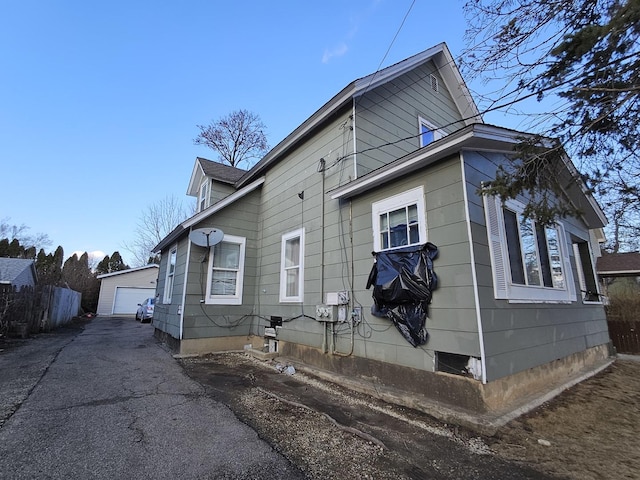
[
  {"x": 204, "y": 320},
  {"x": 283, "y": 211},
  {"x": 390, "y": 112},
  {"x": 522, "y": 336},
  {"x": 219, "y": 191},
  {"x": 166, "y": 317},
  {"x": 452, "y": 322}
]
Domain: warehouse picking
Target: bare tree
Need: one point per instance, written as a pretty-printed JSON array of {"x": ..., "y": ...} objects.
[
  {"x": 155, "y": 223},
  {"x": 19, "y": 232},
  {"x": 238, "y": 138}
]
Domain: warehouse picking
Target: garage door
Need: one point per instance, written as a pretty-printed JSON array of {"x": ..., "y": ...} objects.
[{"x": 128, "y": 298}]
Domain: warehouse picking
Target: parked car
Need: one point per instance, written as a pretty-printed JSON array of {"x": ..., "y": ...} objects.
[{"x": 145, "y": 311}]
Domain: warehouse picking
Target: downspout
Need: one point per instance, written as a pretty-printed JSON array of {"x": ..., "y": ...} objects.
[
  {"x": 184, "y": 286},
  {"x": 474, "y": 275},
  {"x": 322, "y": 258}
]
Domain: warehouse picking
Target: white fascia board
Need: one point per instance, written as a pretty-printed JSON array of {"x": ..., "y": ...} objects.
[
  {"x": 180, "y": 230},
  {"x": 489, "y": 138},
  {"x": 122, "y": 272},
  {"x": 376, "y": 79},
  {"x": 225, "y": 202},
  {"x": 324, "y": 112},
  {"x": 461, "y": 95},
  {"x": 194, "y": 181}
]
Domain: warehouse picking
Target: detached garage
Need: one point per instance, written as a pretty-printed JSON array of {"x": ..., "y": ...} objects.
[{"x": 121, "y": 292}]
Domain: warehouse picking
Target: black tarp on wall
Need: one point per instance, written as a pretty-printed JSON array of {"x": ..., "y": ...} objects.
[{"x": 403, "y": 280}]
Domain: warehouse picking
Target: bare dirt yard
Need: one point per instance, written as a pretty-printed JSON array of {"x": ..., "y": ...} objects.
[{"x": 588, "y": 432}]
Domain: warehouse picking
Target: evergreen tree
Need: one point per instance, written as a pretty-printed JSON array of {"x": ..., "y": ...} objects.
[
  {"x": 103, "y": 266},
  {"x": 4, "y": 247},
  {"x": 78, "y": 276},
  {"x": 116, "y": 264},
  {"x": 49, "y": 267},
  {"x": 585, "y": 56}
]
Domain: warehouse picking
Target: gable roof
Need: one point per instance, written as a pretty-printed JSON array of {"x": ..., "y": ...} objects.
[
  {"x": 217, "y": 171},
  {"x": 181, "y": 229},
  {"x": 619, "y": 263},
  {"x": 129, "y": 270},
  {"x": 12, "y": 268},
  {"x": 443, "y": 60}
]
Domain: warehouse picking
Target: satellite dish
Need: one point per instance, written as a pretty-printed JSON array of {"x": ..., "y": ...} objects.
[{"x": 206, "y": 237}]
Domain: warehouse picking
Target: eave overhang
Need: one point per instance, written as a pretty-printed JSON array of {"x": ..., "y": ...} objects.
[
  {"x": 182, "y": 229},
  {"x": 476, "y": 137}
]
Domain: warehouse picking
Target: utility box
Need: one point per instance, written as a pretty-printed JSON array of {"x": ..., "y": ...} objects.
[
  {"x": 337, "y": 298},
  {"x": 326, "y": 313}
]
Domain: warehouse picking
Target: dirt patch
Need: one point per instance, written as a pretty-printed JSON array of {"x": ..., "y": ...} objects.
[
  {"x": 588, "y": 432},
  {"x": 333, "y": 433}
]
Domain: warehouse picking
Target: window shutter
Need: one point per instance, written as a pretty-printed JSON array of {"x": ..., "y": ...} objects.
[
  {"x": 566, "y": 263},
  {"x": 493, "y": 208},
  {"x": 581, "y": 279}
]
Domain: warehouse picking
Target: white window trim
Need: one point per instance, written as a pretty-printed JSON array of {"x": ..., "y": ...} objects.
[
  {"x": 169, "y": 280},
  {"x": 410, "y": 197},
  {"x": 437, "y": 133},
  {"x": 283, "y": 276},
  {"x": 582, "y": 282},
  {"x": 503, "y": 286},
  {"x": 204, "y": 194},
  {"x": 235, "y": 299}
]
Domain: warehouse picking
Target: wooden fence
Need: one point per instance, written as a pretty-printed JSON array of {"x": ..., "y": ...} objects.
[
  {"x": 36, "y": 309},
  {"x": 625, "y": 335}
]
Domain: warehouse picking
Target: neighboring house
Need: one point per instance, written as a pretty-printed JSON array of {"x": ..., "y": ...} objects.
[
  {"x": 18, "y": 272},
  {"x": 121, "y": 292},
  {"x": 619, "y": 273},
  {"x": 390, "y": 165}
]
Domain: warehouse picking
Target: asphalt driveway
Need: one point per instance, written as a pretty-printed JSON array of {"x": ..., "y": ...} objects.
[{"x": 109, "y": 402}]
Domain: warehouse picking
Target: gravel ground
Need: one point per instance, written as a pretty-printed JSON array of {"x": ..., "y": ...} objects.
[
  {"x": 587, "y": 432},
  {"x": 333, "y": 433}
]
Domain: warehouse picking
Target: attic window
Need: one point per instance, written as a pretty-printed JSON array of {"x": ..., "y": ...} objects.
[
  {"x": 434, "y": 84},
  {"x": 427, "y": 131},
  {"x": 205, "y": 190}
]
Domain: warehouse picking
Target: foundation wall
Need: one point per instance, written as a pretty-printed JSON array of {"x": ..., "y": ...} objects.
[
  {"x": 201, "y": 346},
  {"x": 419, "y": 389}
]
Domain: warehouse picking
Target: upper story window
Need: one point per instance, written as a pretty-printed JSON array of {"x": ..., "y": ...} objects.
[
  {"x": 292, "y": 267},
  {"x": 226, "y": 271},
  {"x": 205, "y": 193},
  {"x": 530, "y": 262},
  {"x": 428, "y": 132},
  {"x": 399, "y": 221},
  {"x": 170, "y": 275}
]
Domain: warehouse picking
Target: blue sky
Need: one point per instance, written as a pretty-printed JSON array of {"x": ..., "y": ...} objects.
[{"x": 99, "y": 101}]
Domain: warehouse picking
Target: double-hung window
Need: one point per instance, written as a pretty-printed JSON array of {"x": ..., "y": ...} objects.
[
  {"x": 428, "y": 132},
  {"x": 399, "y": 221},
  {"x": 530, "y": 261},
  {"x": 292, "y": 267},
  {"x": 226, "y": 271},
  {"x": 205, "y": 192},
  {"x": 171, "y": 271}
]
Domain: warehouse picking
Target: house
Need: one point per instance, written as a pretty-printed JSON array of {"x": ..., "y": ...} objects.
[
  {"x": 376, "y": 195},
  {"x": 122, "y": 291},
  {"x": 18, "y": 272},
  {"x": 619, "y": 273}
]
